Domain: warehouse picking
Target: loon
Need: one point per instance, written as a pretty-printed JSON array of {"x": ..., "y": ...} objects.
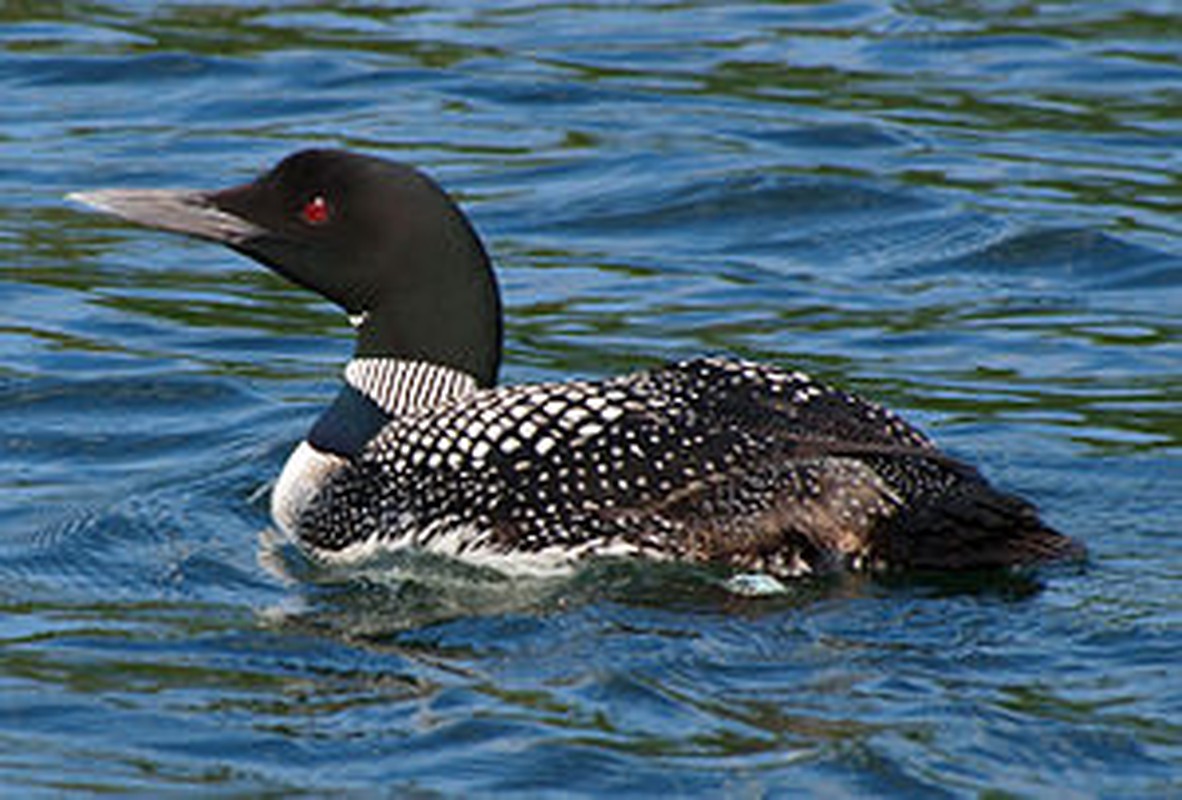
[{"x": 713, "y": 461}]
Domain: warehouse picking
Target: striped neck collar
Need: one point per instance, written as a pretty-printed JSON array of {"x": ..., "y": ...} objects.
[{"x": 404, "y": 387}]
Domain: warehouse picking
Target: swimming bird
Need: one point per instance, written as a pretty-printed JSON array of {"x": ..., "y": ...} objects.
[{"x": 714, "y": 460}]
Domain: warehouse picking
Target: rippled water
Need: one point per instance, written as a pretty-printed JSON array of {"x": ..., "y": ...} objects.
[{"x": 969, "y": 210}]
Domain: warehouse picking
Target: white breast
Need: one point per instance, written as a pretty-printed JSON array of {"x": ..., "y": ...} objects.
[{"x": 306, "y": 471}]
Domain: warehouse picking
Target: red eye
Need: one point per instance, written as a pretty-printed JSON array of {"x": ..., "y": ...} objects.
[{"x": 316, "y": 211}]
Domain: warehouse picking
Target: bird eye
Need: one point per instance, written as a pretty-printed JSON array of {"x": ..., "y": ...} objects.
[{"x": 316, "y": 211}]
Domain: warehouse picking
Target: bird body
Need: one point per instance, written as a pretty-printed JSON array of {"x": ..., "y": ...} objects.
[{"x": 716, "y": 461}]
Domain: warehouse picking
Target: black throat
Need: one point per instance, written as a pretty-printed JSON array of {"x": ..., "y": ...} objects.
[
  {"x": 452, "y": 319},
  {"x": 345, "y": 427}
]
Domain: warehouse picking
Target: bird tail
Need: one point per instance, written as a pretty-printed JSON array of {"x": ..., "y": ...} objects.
[{"x": 975, "y": 527}]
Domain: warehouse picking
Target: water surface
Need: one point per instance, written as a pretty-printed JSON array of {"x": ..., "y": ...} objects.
[{"x": 969, "y": 211}]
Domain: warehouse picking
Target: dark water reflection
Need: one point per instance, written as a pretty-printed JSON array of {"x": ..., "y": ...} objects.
[{"x": 966, "y": 209}]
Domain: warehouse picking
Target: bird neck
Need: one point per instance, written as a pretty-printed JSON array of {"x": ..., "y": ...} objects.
[
  {"x": 440, "y": 306},
  {"x": 400, "y": 387},
  {"x": 378, "y": 390}
]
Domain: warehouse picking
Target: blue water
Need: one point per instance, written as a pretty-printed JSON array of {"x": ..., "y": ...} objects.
[{"x": 967, "y": 210}]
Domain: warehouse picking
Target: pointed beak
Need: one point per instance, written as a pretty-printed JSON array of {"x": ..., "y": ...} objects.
[{"x": 179, "y": 211}]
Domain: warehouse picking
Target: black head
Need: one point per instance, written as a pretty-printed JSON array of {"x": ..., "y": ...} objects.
[{"x": 376, "y": 237}]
